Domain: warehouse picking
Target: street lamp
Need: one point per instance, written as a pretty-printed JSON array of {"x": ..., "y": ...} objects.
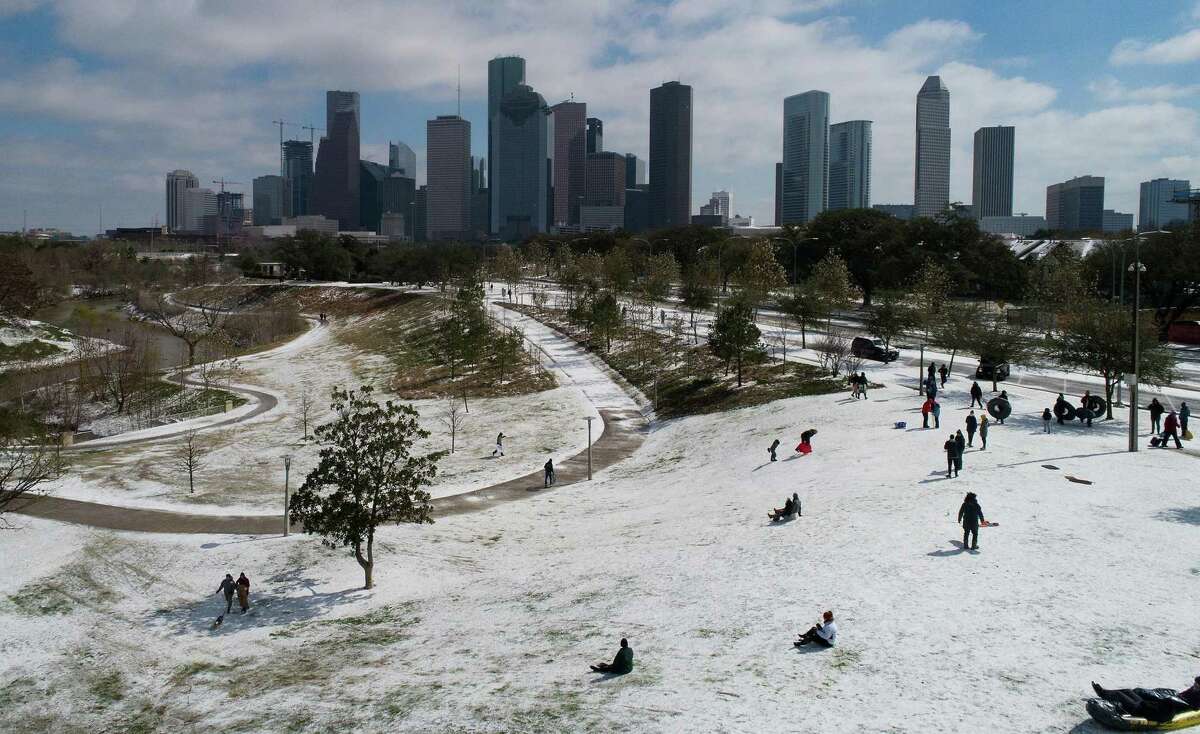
[
  {"x": 287, "y": 468},
  {"x": 794, "y": 243},
  {"x": 1136, "y": 268}
]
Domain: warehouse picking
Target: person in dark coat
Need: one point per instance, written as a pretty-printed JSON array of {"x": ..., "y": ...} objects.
[
  {"x": 621, "y": 664},
  {"x": 1171, "y": 430},
  {"x": 983, "y": 431},
  {"x": 936, "y": 409},
  {"x": 931, "y": 388},
  {"x": 499, "y": 444},
  {"x": 1156, "y": 411},
  {"x": 960, "y": 446},
  {"x": 1184, "y": 413},
  {"x": 972, "y": 424},
  {"x": 771, "y": 450},
  {"x": 1086, "y": 414},
  {"x": 805, "y": 445},
  {"x": 951, "y": 449},
  {"x": 1047, "y": 417},
  {"x": 1003, "y": 396},
  {"x": 1147, "y": 704},
  {"x": 243, "y": 591},
  {"x": 1061, "y": 401},
  {"x": 942, "y": 372},
  {"x": 970, "y": 515},
  {"x": 976, "y": 395},
  {"x": 931, "y": 372},
  {"x": 548, "y": 470},
  {"x": 228, "y": 587},
  {"x": 790, "y": 507},
  {"x": 862, "y": 384}
]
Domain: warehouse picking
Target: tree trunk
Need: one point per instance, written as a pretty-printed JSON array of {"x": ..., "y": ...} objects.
[
  {"x": 739, "y": 369},
  {"x": 803, "y": 336},
  {"x": 1109, "y": 384},
  {"x": 191, "y": 352},
  {"x": 952, "y": 353},
  {"x": 367, "y": 563},
  {"x": 994, "y": 388}
]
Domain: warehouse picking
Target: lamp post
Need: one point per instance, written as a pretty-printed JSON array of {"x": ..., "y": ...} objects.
[
  {"x": 287, "y": 468},
  {"x": 589, "y": 420},
  {"x": 794, "y": 244},
  {"x": 1137, "y": 269}
]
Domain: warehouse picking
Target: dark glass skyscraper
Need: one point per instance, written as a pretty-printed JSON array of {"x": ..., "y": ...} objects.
[
  {"x": 337, "y": 181},
  {"x": 448, "y": 170},
  {"x": 569, "y": 160},
  {"x": 595, "y": 135},
  {"x": 992, "y": 184},
  {"x": 504, "y": 74},
  {"x": 520, "y": 181},
  {"x": 931, "y": 180},
  {"x": 805, "y": 156},
  {"x": 850, "y": 165},
  {"x": 298, "y": 170},
  {"x": 670, "y": 155}
]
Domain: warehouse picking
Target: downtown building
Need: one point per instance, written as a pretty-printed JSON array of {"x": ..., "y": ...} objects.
[
  {"x": 270, "y": 200},
  {"x": 448, "y": 178},
  {"x": 595, "y": 135},
  {"x": 804, "y": 174},
  {"x": 198, "y": 214},
  {"x": 635, "y": 171},
  {"x": 931, "y": 179},
  {"x": 520, "y": 176},
  {"x": 298, "y": 170},
  {"x": 572, "y": 131},
  {"x": 1076, "y": 205},
  {"x": 402, "y": 159},
  {"x": 604, "y": 197},
  {"x": 178, "y": 182},
  {"x": 385, "y": 194},
  {"x": 505, "y": 73},
  {"x": 1158, "y": 207},
  {"x": 992, "y": 174},
  {"x": 336, "y": 183},
  {"x": 670, "y": 193},
  {"x": 850, "y": 165}
]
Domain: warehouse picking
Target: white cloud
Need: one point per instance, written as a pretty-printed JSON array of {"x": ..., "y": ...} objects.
[
  {"x": 1177, "y": 49},
  {"x": 1109, "y": 89}
]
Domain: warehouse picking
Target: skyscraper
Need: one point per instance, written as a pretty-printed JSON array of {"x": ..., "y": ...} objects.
[
  {"x": 605, "y": 179},
  {"x": 595, "y": 135},
  {"x": 805, "y": 156},
  {"x": 298, "y": 170},
  {"x": 850, "y": 165},
  {"x": 269, "y": 200},
  {"x": 384, "y": 191},
  {"x": 178, "y": 181},
  {"x": 420, "y": 233},
  {"x": 670, "y": 155},
  {"x": 570, "y": 160},
  {"x": 1076, "y": 205},
  {"x": 448, "y": 174},
  {"x": 520, "y": 185},
  {"x": 336, "y": 184},
  {"x": 778, "y": 194},
  {"x": 635, "y": 170},
  {"x": 1157, "y": 207},
  {"x": 402, "y": 158},
  {"x": 504, "y": 74},
  {"x": 931, "y": 181},
  {"x": 992, "y": 185},
  {"x": 198, "y": 213}
]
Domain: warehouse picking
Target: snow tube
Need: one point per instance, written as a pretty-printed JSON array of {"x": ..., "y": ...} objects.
[
  {"x": 999, "y": 408},
  {"x": 901, "y": 424},
  {"x": 1084, "y": 414},
  {"x": 1097, "y": 405},
  {"x": 1113, "y": 717},
  {"x": 1065, "y": 410}
]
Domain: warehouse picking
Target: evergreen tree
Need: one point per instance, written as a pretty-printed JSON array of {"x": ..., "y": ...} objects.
[{"x": 733, "y": 336}]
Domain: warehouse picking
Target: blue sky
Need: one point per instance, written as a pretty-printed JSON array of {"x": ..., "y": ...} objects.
[{"x": 102, "y": 97}]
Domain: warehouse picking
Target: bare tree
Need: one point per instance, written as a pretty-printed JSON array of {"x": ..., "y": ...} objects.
[
  {"x": 190, "y": 457},
  {"x": 453, "y": 418},
  {"x": 26, "y": 462},
  {"x": 193, "y": 325},
  {"x": 306, "y": 406},
  {"x": 833, "y": 349},
  {"x": 120, "y": 371}
]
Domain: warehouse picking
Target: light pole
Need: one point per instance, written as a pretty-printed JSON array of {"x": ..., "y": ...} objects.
[
  {"x": 589, "y": 420},
  {"x": 287, "y": 468},
  {"x": 1136, "y": 268},
  {"x": 794, "y": 244}
]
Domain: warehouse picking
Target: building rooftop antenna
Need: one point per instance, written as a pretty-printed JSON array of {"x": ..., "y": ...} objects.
[{"x": 460, "y": 90}]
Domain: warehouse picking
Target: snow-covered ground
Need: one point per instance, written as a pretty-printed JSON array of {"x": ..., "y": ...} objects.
[
  {"x": 60, "y": 344},
  {"x": 486, "y": 621}
]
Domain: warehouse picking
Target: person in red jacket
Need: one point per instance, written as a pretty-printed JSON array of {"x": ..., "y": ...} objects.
[
  {"x": 1171, "y": 430},
  {"x": 926, "y": 409}
]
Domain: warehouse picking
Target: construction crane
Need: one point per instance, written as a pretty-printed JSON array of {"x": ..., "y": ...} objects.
[
  {"x": 311, "y": 139},
  {"x": 223, "y": 182},
  {"x": 281, "y": 124}
]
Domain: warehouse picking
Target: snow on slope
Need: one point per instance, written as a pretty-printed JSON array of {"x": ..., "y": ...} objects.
[{"x": 502, "y": 610}]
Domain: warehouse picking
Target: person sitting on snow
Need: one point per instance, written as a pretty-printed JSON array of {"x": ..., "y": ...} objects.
[
  {"x": 1157, "y": 705},
  {"x": 823, "y": 633},
  {"x": 790, "y": 508},
  {"x": 805, "y": 446},
  {"x": 621, "y": 664}
]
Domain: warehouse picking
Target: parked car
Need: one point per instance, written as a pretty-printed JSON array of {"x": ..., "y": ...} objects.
[
  {"x": 872, "y": 349},
  {"x": 989, "y": 370}
]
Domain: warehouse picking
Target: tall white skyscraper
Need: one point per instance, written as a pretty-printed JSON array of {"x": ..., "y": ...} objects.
[
  {"x": 850, "y": 165},
  {"x": 931, "y": 182},
  {"x": 1157, "y": 206},
  {"x": 178, "y": 181},
  {"x": 805, "y": 185},
  {"x": 992, "y": 177}
]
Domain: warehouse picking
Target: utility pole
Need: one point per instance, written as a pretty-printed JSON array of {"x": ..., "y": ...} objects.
[
  {"x": 287, "y": 468},
  {"x": 589, "y": 420}
]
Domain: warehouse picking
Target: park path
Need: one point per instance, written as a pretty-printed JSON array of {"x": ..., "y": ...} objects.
[{"x": 621, "y": 431}]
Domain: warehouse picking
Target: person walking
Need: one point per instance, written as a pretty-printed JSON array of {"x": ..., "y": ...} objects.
[
  {"x": 1171, "y": 430},
  {"x": 771, "y": 449},
  {"x": 926, "y": 409},
  {"x": 976, "y": 395},
  {"x": 862, "y": 384},
  {"x": 1004, "y": 397},
  {"x": 970, "y": 514},
  {"x": 499, "y": 444},
  {"x": 1084, "y": 404},
  {"x": 1060, "y": 408},
  {"x": 960, "y": 448},
  {"x": 943, "y": 372},
  {"x": 853, "y": 385},
  {"x": 1047, "y": 418},
  {"x": 951, "y": 449},
  {"x": 243, "y": 592},
  {"x": 1184, "y": 413},
  {"x": 228, "y": 587},
  {"x": 931, "y": 389},
  {"x": 937, "y": 414},
  {"x": 930, "y": 372},
  {"x": 1156, "y": 411},
  {"x": 972, "y": 425},
  {"x": 548, "y": 479},
  {"x": 983, "y": 430}
]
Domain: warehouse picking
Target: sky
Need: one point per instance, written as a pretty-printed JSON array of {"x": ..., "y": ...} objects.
[{"x": 99, "y": 99}]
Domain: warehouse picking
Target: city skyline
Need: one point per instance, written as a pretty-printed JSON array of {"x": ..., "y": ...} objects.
[{"x": 130, "y": 112}]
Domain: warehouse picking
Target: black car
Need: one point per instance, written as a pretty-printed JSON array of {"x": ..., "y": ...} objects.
[
  {"x": 988, "y": 370},
  {"x": 872, "y": 349}
]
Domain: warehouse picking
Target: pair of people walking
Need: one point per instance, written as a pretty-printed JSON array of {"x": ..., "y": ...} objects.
[
  {"x": 954, "y": 447},
  {"x": 229, "y": 587},
  {"x": 858, "y": 385},
  {"x": 934, "y": 408},
  {"x": 974, "y": 424}
]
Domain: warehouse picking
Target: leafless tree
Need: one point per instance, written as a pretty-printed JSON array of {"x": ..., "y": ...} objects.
[
  {"x": 453, "y": 418},
  {"x": 834, "y": 347},
  {"x": 118, "y": 371},
  {"x": 26, "y": 463},
  {"x": 193, "y": 325},
  {"x": 190, "y": 457},
  {"x": 306, "y": 404}
]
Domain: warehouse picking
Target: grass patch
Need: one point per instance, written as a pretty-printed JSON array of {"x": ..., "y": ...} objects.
[
  {"x": 699, "y": 382},
  {"x": 107, "y": 687},
  {"x": 29, "y": 351}
]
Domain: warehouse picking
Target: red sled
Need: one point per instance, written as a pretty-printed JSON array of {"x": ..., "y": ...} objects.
[
  {"x": 804, "y": 448},
  {"x": 987, "y": 524}
]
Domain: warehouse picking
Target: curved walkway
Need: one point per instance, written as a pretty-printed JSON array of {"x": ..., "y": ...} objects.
[{"x": 621, "y": 433}]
